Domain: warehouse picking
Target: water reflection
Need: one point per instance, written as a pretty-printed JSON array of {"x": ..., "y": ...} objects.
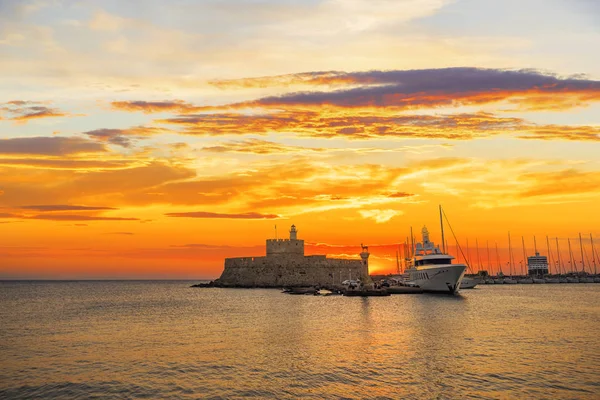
[{"x": 163, "y": 339}]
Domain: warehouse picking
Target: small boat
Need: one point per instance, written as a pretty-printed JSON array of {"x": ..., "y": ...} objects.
[
  {"x": 586, "y": 279},
  {"x": 526, "y": 281},
  {"x": 300, "y": 290},
  {"x": 552, "y": 280},
  {"x": 571, "y": 279},
  {"x": 498, "y": 281},
  {"x": 563, "y": 280},
  {"x": 539, "y": 280},
  {"x": 468, "y": 283},
  {"x": 509, "y": 281},
  {"x": 597, "y": 280}
]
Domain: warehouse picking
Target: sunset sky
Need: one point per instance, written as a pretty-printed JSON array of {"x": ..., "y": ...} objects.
[{"x": 152, "y": 139}]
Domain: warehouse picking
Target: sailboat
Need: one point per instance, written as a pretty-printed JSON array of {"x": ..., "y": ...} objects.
[
  {"x": 467, "y": 281},
  {"x": 498, "y": 280},
  {"x": 572, "y": 279},
  {"x": 561, "y": 279}
]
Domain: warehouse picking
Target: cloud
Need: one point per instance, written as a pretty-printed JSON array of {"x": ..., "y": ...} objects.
[
  {"x": 149, "y": 107},
  {"x": 64, "y": 164},
  {"x": 64, "y": 207},
  {"x": 398, "y": 195},
  {"x": 425, "y": 88},
  {"x": 380, "y": 216},
  {"x": 352, "y": 126},
  {"x": 123, "y": 137},
  {"x": 202, "y": 214},
  {"x": 51, "y": 146},
  {"x": 64, "y": 217},
  {"x": 24, "y": 111}
]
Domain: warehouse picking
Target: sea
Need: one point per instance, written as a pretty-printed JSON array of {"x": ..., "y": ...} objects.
[{"x": 164, "y": 339}]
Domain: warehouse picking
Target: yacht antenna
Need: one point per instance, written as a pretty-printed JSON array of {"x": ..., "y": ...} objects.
[
  {"x": 582, "y": 261},
  {"x": 442, "y": 225}
]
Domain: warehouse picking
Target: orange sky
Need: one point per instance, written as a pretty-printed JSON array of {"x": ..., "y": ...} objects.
[{"x": 121, "y": 159}]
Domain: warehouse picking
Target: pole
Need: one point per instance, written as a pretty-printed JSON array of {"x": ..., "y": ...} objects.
[
  {"x": 442, "y": 225},
  {"x": 581, "y": 247},
  {"x": 534, "y": 247}
]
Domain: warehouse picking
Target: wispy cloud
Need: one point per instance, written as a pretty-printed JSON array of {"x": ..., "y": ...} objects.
[
  {"x": 203, "y": 214},
  {"x": 24, "y": 111},
  {"x": 64, "y": 207}
]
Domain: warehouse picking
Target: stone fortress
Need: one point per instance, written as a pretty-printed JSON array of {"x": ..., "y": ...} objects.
[{"x": 285, "y": 265}]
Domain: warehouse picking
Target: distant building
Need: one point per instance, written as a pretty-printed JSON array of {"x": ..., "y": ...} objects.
[
  {"x": 286, "y": 265},
  {"x": 537, "y": 265}
]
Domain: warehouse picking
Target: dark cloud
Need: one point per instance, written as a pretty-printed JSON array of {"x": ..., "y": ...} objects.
[
  {"x": 400, "y": 195},
  {"x": 64, "y": 207},
  {"x": 63, "y": 217},
  {"x": 51, "y": 146},
  {"x": 23, "y": 111},
  {"x": 123, "y": 137},
  {"x": 202, "y": 214}
]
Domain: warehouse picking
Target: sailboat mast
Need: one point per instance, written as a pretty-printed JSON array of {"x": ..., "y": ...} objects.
[
  {"x": 559, "y": 259},
  {"x": 498, "y": 259},
  {"x": 593, "y": 253},
  {"x": 510, "y": 256},
  {"x": 478, "y": 259},
  {"x": 442, "y": 225},
  {"x": 489, "y": 265},
  {"x": 582, "y": 260},
  {"x": 397, "y": 262},
  {"x": 571, "y": 255},
  {"x": 549, "y": 254},
  {"x": 524, "y": 255},
  {"x": 412, "y": 244},
  {"x": 469, "y": 257}
]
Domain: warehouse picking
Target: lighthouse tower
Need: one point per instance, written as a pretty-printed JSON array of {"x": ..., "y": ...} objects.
[{"x": 293, "y": 233}]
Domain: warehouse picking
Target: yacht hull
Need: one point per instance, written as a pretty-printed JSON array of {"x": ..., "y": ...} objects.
[{"x": 438, "y": 278}]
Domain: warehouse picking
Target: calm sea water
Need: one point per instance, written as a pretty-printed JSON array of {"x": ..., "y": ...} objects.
[{"x": 166, "y": 340}]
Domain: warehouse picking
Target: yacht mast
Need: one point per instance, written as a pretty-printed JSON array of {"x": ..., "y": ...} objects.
[
  {"x": 442, "y": 225},
  {"x": 582, "y": 260},
  {"x": 469, "y": 257}
]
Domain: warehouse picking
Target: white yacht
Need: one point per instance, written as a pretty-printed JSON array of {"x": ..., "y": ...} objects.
[{"x": 432, "y": 269}]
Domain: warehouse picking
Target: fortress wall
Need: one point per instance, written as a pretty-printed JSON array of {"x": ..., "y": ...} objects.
[
  {"x": 285, "y": 246},
  {"x": 287, "y": 270}
]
